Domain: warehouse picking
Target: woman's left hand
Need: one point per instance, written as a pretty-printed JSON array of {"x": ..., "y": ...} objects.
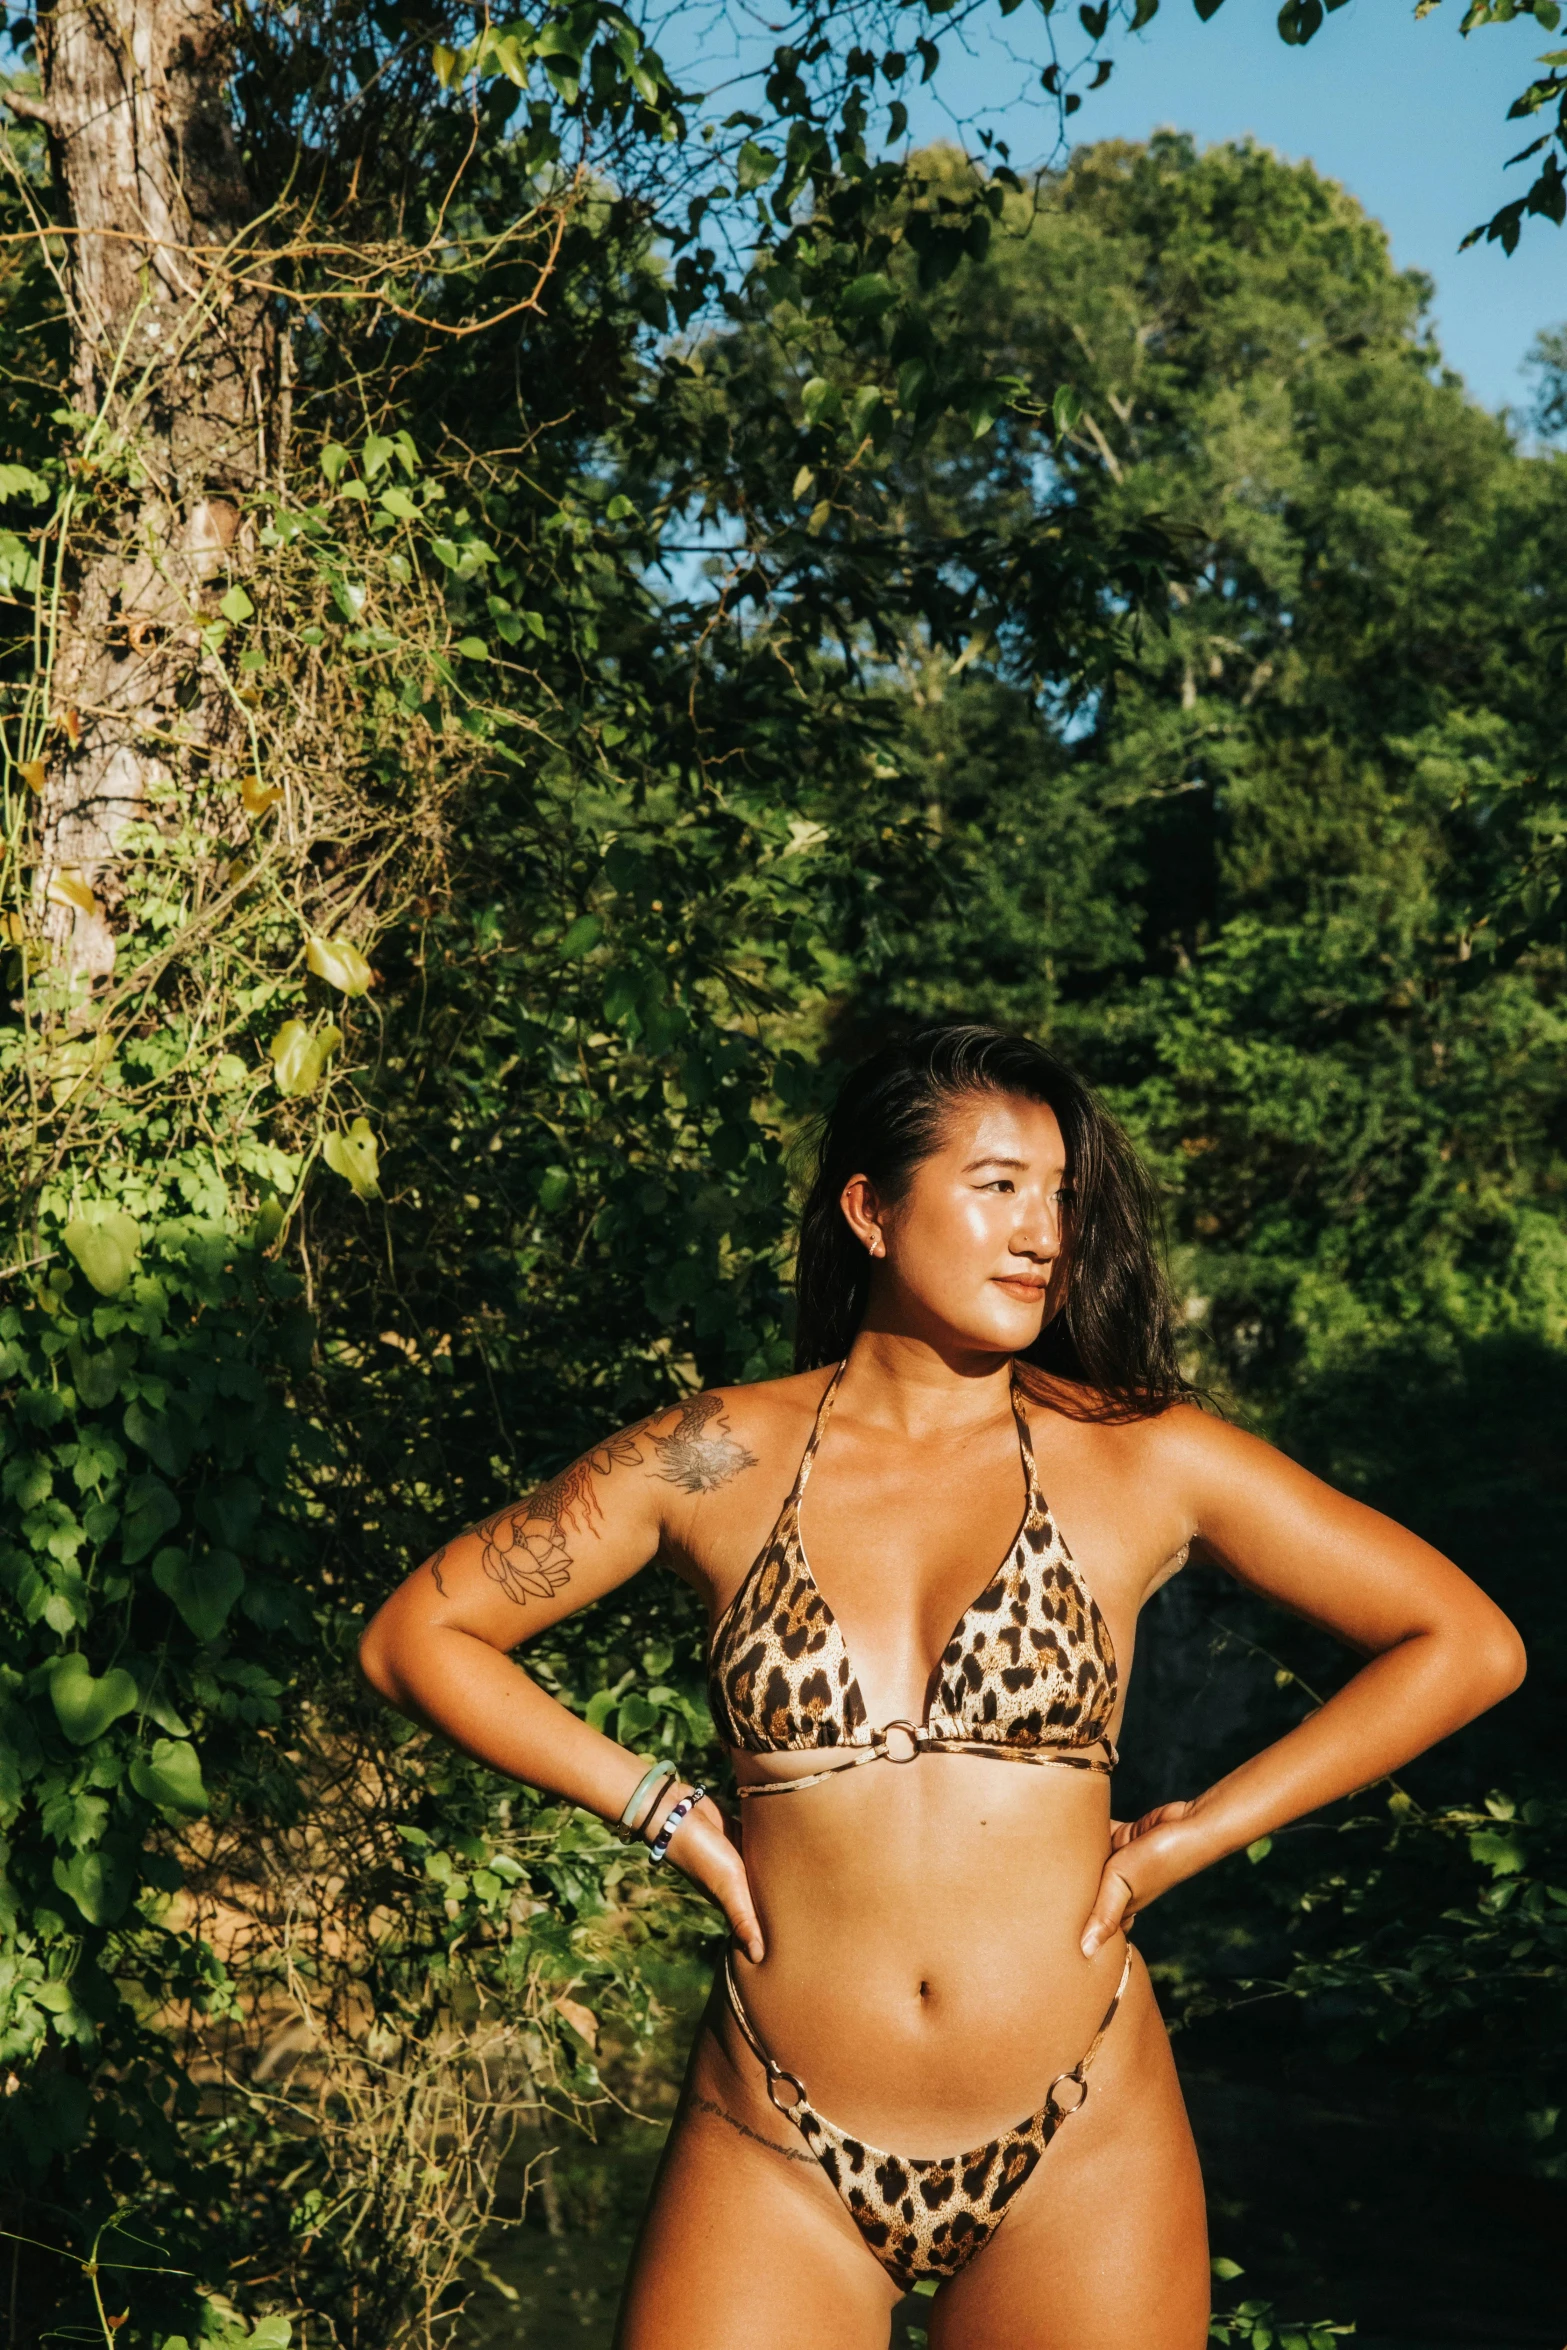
[{"x": 1147, "y": 1857}]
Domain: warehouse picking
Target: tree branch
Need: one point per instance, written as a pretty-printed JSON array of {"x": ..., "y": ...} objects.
[{"x": 30, "y": 109}]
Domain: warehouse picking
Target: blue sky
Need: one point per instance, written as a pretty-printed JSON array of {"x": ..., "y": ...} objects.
[{"x": 1410, "y": 117}]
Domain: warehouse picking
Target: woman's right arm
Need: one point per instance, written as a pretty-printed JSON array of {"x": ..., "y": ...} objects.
[{"x": 438, "y": 1648}]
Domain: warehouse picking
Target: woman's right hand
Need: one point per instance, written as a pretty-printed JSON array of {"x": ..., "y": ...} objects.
[{"x": 706, "y": 1849}]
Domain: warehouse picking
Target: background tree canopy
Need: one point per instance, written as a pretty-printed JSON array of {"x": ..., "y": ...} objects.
[{"x": 537, "y": 622}]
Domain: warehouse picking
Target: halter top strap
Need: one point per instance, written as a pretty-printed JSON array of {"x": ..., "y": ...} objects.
[
  {"x": 1025, "y": 1438},
  {"x": 818, "y": 1430}
]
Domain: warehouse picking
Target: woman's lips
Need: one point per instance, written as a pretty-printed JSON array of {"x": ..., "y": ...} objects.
[{"x": 1021, "y": 1287}]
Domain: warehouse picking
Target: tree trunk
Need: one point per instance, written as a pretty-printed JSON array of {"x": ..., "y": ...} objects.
[{"x": 181, "y": 365}]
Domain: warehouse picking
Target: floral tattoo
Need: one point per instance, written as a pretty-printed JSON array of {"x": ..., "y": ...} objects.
[{"x": 527, "y": 1550}]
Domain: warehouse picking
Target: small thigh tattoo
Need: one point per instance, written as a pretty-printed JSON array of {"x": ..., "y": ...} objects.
[
  {"x": 789, "y": 2153},
  {"x": 527, "y": 1546}
]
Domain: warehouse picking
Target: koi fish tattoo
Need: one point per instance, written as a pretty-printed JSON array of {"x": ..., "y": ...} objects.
[{"x": 527, "y": 1551}]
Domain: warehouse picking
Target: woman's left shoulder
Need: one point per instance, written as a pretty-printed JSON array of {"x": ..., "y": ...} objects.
[{"x": 1181, "y": 1429}]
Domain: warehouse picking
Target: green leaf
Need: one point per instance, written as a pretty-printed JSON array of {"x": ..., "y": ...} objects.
[
  {"x": 865, "y": 413},
  {"x": 106, "y": 1249},
  {"x": 236, "y": 605},
  {"x": 870, "y": 296},
  {"x": 99, "y": 1883},
  {"x": 203, "y": 1589},
  {"x": 377, "y": 455},
  {"x": 18, "y": 481},
  {"x": 473, "y": 648},
  {"x": 300, "y": 1055},
  {"x": 151, "y": 1511},
  {"x": 354, "y": 1153},
  {"x": 333, "y": 459},
  {"x": 983, "y": 407},
  {"x": 1225, "y": 2269},
  {"x": 600, "y": 1706},
  {"x": 339, "y": 963},
  {"x": 85, "y": 1707},
  {"x": 1066, "y": 409},
  {"x": 397, "y": 501},
  {"x": 819, "y": 398},
  {"x": 1502, "y": 1854},
  {"x": 1259, "y": 1848},
  {"x": 270, "y": 1219},
  {"x": 95, "y": 1377},
  {"x": 916, "y": 380},
  {"x": 582, "y": 937},
  {"x": 159, "y": 1437},
  {"x": 637, "y": 1717},
  {"x": 754, "y": 167},
  {"x": 171, "y": 1777}
]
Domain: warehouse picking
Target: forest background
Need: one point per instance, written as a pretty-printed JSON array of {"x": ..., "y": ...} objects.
[{"x": 542, "y": 617}]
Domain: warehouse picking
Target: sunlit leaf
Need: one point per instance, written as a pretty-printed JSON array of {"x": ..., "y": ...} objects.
[
  {"x": 256, "y": 797},
  {"x": 339, "y": 963},
  {"x": 581, "y": 2019},
  {"x": 170, "y": 1776},
  {"x": 98, "y": 1882},
  {"x": 67, "y": 887},
  {"x": 354, "y": 1153},
  {"x": 300, "y": 1055},
  {"x": 106, "y": 1249},
  {"x": 85, "y": 1707}
]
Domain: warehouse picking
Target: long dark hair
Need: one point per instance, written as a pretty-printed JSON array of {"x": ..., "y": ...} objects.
[{"x": 1111, "y": 1323}]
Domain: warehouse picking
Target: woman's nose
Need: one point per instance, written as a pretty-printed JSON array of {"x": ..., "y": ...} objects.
[{"x": 1039, "y": 1237}]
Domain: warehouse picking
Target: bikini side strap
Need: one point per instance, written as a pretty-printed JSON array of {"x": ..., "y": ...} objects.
[
  {"x": 1097, "y": 2041},
  {"x": 818, "y": 1430},
  {"x": 740, "y": 2016}
]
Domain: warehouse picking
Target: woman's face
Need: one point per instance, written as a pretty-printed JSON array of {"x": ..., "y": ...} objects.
[{"x": 969, "y": 1251}]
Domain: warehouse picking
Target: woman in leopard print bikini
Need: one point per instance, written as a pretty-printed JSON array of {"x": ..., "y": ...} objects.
[{"x": 986, "y": 1372}]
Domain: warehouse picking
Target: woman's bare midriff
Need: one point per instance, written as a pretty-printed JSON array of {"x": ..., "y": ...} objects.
[{"x": 923, "y": 1974}]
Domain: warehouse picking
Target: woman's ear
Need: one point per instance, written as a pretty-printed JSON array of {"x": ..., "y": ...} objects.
[{"x": 863, "y": 1214}]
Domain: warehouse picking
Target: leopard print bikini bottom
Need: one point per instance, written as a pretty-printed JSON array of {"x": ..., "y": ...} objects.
[{"x": 926, "y": 2216}]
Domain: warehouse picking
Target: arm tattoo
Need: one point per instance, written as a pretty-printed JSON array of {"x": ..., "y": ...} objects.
[
  {"x": 697, "y": 1458},
  {"x": 526, "y": 1551}
]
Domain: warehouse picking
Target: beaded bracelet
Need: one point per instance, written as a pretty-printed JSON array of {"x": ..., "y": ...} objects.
[
  {"x": 660, "y": 1844},
  {"x": 638, "y": 1812}
]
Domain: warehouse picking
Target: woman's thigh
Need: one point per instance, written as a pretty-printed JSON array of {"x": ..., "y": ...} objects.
[
  {"x": 745, "y": 2244},
  {"x": 1108, "y": 2243}
]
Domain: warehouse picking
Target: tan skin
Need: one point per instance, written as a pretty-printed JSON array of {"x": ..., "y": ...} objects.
[{"x": 929, "y": 1946}]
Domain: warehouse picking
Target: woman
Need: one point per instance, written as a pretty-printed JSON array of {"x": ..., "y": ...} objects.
[{"x": 923, "y": 1955}]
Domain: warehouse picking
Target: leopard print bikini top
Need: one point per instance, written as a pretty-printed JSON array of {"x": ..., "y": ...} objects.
[{"x": 1028, "y": 1675}]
